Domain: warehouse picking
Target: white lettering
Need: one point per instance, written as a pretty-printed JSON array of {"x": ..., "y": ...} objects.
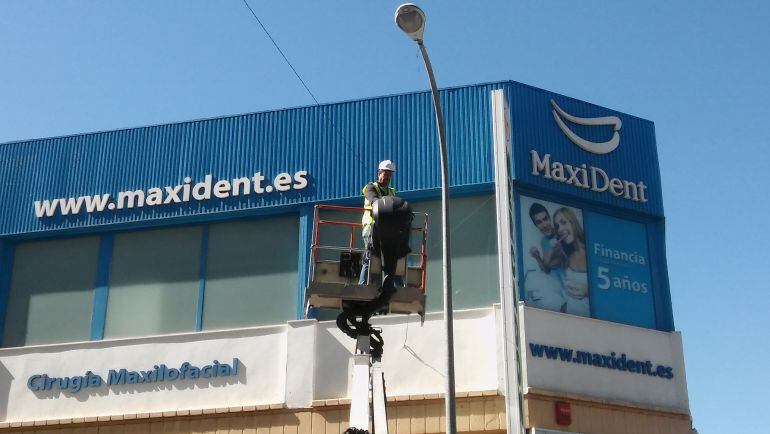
[
  {"x": 578, "y": 176},
  {"x": 630, "y": 191},
  {"x": 616, "y": 187},
  {"x": 154, "y": 197},
  {"x": 126, "y": 199},
  {"x": 222, "y": 189},
  {"x": 620, "y": 255},
  {"x": 241, "y": 184},
  {"x": 573, "y": 176},
  {"x": 594, "y": 184},
  {"x": 538, "y": 164},
  {"x": 300, "y": 182},
  {"x": 172, "y": 194},
  {"x": 282, "y": 182},
  {"x": 557, "y": 172},
  {"x": 258, "y": 178},
  {"x": 169, "y": 194},
  {"x": 642, "y": 188},
  {"x": 202, "y": 190},
  {"x": 45, "y": 208},
  {"x": 96, "y": 203}
]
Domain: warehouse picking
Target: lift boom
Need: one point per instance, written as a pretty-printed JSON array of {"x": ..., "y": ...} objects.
[{"x": 395, "y": 283}]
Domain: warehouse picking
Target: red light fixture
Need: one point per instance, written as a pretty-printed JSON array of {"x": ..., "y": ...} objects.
[{"x": 563, "y": 413}]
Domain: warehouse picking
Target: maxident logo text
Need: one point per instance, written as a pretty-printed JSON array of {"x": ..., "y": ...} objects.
[{"x": 584, "y": 176}]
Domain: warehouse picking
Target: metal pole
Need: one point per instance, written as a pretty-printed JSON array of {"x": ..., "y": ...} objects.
[{"x": 449, "y": 400}]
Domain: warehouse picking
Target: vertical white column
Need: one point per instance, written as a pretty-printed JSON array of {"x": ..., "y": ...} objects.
[
  {"x": 300, "y": 363},
  {"x": 359, "y": 393},
  {"x": 379, "y": 399},
  {"x": 505, "y": 245}
]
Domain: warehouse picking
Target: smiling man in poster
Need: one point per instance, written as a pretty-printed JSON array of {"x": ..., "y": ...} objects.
[{"x": 556, "y": 274}]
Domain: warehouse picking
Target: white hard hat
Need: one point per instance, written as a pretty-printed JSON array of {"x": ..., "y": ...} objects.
[{"x": 387, "y": 165}]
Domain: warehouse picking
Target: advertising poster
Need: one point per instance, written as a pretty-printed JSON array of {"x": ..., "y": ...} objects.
[
  {"x": 621, "y": 288},
  {"x": 555, "y": 275},
  {"x": 585, "y": 263}
]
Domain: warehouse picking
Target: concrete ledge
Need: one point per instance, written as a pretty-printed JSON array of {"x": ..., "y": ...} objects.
[
  {"x": 112, "y": 419},
  {"x": 533, "y": 393},
  {"x": 271, "y": 408}
]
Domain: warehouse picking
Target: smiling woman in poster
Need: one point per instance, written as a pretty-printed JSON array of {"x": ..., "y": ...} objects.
[{"x": 571, "y": 243}]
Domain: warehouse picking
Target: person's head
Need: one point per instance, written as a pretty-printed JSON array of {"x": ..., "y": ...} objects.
[
  {"x": 541, "y": 219},
  {"x": 385, "y": 172},
  {"x": 568, "y": 227}
]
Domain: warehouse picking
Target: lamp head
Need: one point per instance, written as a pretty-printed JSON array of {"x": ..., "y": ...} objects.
[{"x": 411, "y": 20}]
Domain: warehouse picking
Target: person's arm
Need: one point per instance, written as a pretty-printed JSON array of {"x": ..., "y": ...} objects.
[
  {"x": 552, "y": 259},
  {"x": 371, "y": 193},
  {"x": 555, "y": 256},
  {"x": 535, "y": 253}
]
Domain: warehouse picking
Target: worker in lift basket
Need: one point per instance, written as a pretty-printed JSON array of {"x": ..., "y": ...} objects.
[{"x": 373, "y": 191}]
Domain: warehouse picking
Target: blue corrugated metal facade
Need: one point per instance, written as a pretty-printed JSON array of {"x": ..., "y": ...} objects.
[{"x": 339, "y": 146}]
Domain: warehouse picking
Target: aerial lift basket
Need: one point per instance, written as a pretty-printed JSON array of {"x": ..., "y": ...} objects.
[{"x": 336, "y": 259}]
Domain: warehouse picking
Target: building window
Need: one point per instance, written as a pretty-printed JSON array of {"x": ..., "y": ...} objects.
[
  {"x": 473, "y": 242},
  {"x": 251, "y": 273},
  {"x": 153, "y": 285},
  {"x": 51, "y": 292}
]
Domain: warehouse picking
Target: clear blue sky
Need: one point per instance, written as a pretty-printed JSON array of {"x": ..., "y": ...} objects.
[{"x": 699, "y": 69}]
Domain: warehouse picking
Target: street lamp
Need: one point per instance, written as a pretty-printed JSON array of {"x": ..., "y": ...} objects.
[{"x": 411, "y": 20}]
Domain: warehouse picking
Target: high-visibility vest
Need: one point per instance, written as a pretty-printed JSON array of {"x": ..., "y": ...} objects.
[{"x": 367, "y": 219}]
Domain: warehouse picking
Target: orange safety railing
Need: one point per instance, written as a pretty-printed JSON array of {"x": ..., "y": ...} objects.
[{"x": 355, "y": 230}]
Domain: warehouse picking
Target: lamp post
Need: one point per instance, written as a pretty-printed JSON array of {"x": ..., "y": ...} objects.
[{"x": 411, "y": 20}]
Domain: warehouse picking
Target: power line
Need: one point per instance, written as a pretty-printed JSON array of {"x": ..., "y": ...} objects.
[
  {"x": 281, "y": 52},
  {"x": 294, "y": 70}
]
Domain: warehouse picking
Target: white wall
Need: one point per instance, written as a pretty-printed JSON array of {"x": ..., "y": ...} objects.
[
  {"x": 595, "y": 336},
  {"x": 262, "y": 353},
  {"x": 414, "y": 356},
  {"x": 291, "y": 364},
  {"x": 298, "y": 362}
]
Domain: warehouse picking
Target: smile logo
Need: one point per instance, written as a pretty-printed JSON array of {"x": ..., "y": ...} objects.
[{"x": 597, "y": 148}]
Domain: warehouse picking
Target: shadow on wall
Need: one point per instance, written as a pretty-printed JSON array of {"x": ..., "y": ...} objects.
[
  {"x": 332, "y": 382},
  {"x": 104, "y": 389},
  {"x": 5, "y": 390}
]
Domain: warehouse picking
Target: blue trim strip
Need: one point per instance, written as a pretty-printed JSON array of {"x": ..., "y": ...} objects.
[
  {"x": 303, "y": 257},
  {"x": 590, "y": 271},
  {"x": 517, "y": 254},
  {"x": 202, "y": 265},
  {"x": 6, "y": 267},
  {"x": 656, "y": 239},
  {"x": 101, "y": 287}
]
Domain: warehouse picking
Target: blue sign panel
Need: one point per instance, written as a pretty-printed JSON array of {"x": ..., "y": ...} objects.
[
  {"x": 619, "y": 270},
  {"x": 585, "y": 151},
  {"x": 585, "y": 263}
]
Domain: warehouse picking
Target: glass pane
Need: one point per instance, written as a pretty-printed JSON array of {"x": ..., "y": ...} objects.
[
  {"x": 251, "y": 276},
  {"x": 337, "y": 236},
  {"x": 51, "y": 292},
  {"x": 153, "y": 283},
  {"x": 473, "y": 243}
]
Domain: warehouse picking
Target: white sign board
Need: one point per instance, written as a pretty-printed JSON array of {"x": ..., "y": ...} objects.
[
  {"x": 571, "y": 354},
  {"x": 144, "y": 375},
  {"x": 290, "y": 364}
]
